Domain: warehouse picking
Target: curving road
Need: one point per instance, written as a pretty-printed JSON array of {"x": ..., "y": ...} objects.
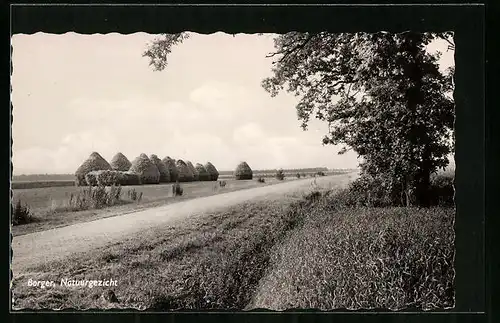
[{"x": 40, "y": 247}]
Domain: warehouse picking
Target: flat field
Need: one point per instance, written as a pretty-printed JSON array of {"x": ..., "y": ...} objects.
[
  {"x": 277, "y": 254},
  {"x": 66, "y": 180}
]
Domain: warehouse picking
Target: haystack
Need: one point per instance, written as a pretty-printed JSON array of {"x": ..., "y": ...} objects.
[
  {"x": 185, "y": 174},
  {"x": 120, "y": 162},
  {"x": 203, "y": 174},
  {"x": 214, "y": 173},
  {"x": 94, "y": 162},
  {"x": 146, "y": 169},
  {"x": 162, "y": 168},
  {"x": 196, "y": 176},
  {"x": 129, "y": 178},
  {"x": 172, "y": 168},
  {"x": 243, "y": 171}
]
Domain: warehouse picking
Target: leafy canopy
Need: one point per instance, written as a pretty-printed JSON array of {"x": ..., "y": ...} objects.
[{"x": 382, "y": 95}]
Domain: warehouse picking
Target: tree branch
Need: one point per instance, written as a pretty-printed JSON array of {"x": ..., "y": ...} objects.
[
  {"x": 451, "y": 44},
  {"x": 300, "y": 46},
  {"x": 287, "y": 52}
]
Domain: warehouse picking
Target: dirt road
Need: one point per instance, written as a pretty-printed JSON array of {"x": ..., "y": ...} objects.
[{"x": 40, "y": 247}]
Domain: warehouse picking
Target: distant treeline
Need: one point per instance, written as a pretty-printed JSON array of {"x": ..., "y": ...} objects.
[
  {"x": 51, "y": 180},
  {"x": 43, "y": 177},
  {"x": 273, "y": 171},
  {"x": 20, "y": 185}
]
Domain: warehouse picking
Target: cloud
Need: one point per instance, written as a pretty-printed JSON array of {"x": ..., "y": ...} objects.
[
  {"x": 248, "y": 134},
  {"x": 224, "y": 100},
  {"x": 67, "y": 156},
  {"x": 204, "y": 107}
]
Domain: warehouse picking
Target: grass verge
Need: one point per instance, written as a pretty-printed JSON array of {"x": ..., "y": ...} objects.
[
  {"x": 211, "y": 263},
  {"x": 316, "y": 253},
  {"x": 48, "y": 211}
]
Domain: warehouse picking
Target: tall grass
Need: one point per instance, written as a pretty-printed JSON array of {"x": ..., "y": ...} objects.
[
  {"x": 95, "y": 198},
  {"x": 21, "y": 214},
  {"x": 321, "y": 252},
  {"x": 212, "y": 263},
  {"x": 358, "y": 257},
  {"x": 228, "y": 262}
]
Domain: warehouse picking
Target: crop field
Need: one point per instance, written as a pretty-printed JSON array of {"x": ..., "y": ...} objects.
[
  {"x": 66, "y": 180},
  {"x": 41, "y": 184},
  {"x": 47, "y": 203}
]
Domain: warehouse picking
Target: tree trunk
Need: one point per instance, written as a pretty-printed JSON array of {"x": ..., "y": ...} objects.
[{"x": 423, "y": 187}]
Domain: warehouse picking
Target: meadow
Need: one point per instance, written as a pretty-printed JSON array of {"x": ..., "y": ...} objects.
[
  {"x": 49, "y": 209},
  {"x": 67, "y": 180},
  {"x": 308, "y": 251}
]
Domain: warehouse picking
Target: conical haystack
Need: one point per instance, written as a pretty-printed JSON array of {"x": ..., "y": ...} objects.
[
  {"x": 162, "y": 168},
  {"x": 196, "y": 176},
  {"x": 214, "y": 173},
  {"x": 94, "y": 162},
  {"x": 203, "y": 174},
  {"x": 172, "y": 168},
  {"x": 146, "y": 169},
  {"x": 243, "y": 171},
  {"x": 185, "y": 174},
  {"x": 120, "y": 162}
]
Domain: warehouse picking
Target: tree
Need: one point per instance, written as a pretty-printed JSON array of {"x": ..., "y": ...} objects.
[{"x": 381, "y": 94}]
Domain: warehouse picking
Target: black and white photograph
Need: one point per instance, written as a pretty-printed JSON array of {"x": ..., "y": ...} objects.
[{"x": 233, "y": 171}]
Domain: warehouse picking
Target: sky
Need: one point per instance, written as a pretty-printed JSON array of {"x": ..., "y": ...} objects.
[{"x": 73, "y": 94}]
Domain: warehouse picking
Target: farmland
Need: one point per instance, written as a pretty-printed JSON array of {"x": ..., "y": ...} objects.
[
  {"x": 47, "y": 203},
  {"x": 274, "y": 253},
  {"x": 66, "y": 180}
]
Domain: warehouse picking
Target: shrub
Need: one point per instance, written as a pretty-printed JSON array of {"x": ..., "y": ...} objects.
[
  {"x": 134, "y": 195},
  {"x": 261, "y": 180},
  {"x": 146, "y": 169},
  {"x": 104, "y": 178},
  {"x": 120, "y": 162},
  {"x": 214, "y": 174},
  {"x": 129, "y": 178},
  {"x": 243, "y": 171},
  {"x": 94, "y": 198},
  {"x": 94, "y": 162},
  {"x": 91, "y": 178},
  {"x": 185, "y": 174},
  {"x": 196, "y": 176},
  {"x": 162, "y": 168},
  {"x": 368, "y": 191},
  {"x": 115, "y": 193},
  {"x": 172, "y": 168},
  {"x": 298, "y": 175},
  {"x": 177, "y": 189},
  {"x": 442, "y": 191},
  {"x": 108, "y": 177},
  {"x": 203, "y": 174},
  {"x": 320, "y": 173},
  {"x": 21, "y": 214},
  {"x": 280, "y": 175},
  {"x": 379, "y": 192}
]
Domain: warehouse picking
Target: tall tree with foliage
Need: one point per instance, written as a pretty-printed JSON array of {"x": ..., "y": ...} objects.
[{"x": 381, "y": 94}]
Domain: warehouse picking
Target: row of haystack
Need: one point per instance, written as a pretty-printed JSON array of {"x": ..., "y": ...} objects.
[{"x": 142, "y": 170}]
